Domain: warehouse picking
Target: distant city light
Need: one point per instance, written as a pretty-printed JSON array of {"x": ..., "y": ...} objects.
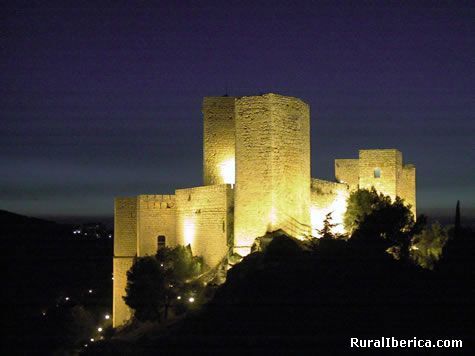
[
  {"x": 67, "y": 298},
  {"x": 107, "y": 316},
  {"x": 85, "y": 345},
  {"x": 90, "y": 291},
  {"x": 191, "y": 299},
  {"x": 43, "y": 313},
  {"x": 179, "y": 297},
  {"x": 99, "y": 329},
  {"x": 92, "y": 339}
]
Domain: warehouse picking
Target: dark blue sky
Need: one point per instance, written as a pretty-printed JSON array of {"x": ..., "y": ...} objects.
[{"x": 103, "y": 102}]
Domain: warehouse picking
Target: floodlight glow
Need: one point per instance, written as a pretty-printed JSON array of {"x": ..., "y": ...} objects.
[
  {"x": 189, "y": 231},
  {"x": 228, "y": 171},
  {"x": 337, "y": 208}
]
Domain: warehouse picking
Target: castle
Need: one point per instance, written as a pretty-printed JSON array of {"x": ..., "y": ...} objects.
[{"x": 256, "y": 178}]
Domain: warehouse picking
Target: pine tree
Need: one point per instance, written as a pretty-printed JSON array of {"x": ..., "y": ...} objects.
[{"x": 457, "y": 219}]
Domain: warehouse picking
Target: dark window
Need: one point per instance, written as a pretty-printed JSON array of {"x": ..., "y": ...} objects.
[
  {"x": 377, "y": 173},
  {"x": 161, "y": 242}
]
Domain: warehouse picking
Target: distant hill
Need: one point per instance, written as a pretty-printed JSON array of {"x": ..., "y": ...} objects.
[
  {"x": 17, "y": 219},
  {"x": 14, "y": 225}
]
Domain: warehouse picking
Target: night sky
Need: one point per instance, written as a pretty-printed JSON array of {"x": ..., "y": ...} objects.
[{"x": 103, "y": 102}]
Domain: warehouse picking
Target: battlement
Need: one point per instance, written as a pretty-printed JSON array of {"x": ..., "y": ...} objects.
[{"x": 157, "y": 201}]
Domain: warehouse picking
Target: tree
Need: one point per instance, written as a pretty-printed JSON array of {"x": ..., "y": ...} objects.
[
  {"x": 381, "y": 222},
  {"x": 145, "y": 290},
  {"x": 157, "y": 283},
  {"x": 180, "y": 268},
  {"x": 426, "y": 247},
  {"x": 359, "y": 204},
  {"x": 328, "y": 227},
  {"x": 457, "y": 219}
]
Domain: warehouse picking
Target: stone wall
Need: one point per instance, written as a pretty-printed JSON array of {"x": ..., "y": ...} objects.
[
  {"x": 272, "y": 168},
  {"x": 204, "y": 220},
  {"x": 407, "y": 186},
  {"x": 120, "y": 311},
  {"x": 389, "y": 162},
  {"x": 125, "y": 227},
  {"x": 218, "y": 140},
  {"x": 347, "y": 171},
  {"x": 156, "y": 215},
  {"x": 328, "y": 197}
]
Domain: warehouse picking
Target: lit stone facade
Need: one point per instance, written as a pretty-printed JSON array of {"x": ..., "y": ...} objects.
[
  {"x": 382, "y": 169},
  {"x": 272, "y": 168},
  {"x": 256, "y": 178}
]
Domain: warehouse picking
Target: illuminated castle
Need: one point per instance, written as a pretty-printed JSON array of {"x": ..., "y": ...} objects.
[{"x": 256, "y": 178}]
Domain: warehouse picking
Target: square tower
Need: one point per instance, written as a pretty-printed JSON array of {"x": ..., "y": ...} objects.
[
  {"x": 218, "y": 140},
  {"x": 380, "y": 169},
  {"x": 272, "y": 168}
]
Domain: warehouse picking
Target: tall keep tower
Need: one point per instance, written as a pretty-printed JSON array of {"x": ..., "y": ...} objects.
[{"x": 272, "y": 168}]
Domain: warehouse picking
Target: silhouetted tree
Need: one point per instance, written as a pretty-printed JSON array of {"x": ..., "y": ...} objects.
[
  {"x": 145, "y": 290},
  {"x": 157, "y": 283},
  {"x": 375, "y": 215},
  {"x": 327, "y": 229},
  {"x": 457, "y": 219},
  {"x": 359, "y": 204},
  {"x": 180, "y": 267}
]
